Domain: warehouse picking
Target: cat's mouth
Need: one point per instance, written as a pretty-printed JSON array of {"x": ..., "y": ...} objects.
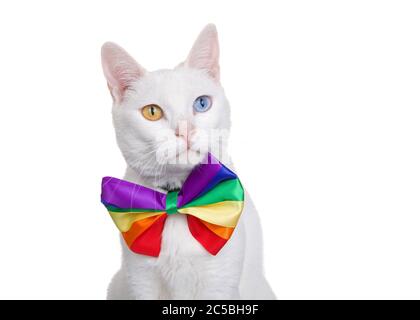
[{"x": 189, "y": 156}]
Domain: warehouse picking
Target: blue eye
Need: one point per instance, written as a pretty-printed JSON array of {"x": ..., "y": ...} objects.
[{"x": 202, "y": 104}]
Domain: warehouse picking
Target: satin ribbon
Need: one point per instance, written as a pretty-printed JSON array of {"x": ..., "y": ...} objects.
[{"x": 212, "y": 198}]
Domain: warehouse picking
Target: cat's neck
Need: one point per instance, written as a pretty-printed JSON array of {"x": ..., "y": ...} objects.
[
  {"x": 166, "y": 182},
  {"x": 160, "y": 183}
]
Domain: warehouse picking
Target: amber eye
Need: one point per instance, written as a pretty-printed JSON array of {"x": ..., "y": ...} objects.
[{"x": 152, "y": 112}]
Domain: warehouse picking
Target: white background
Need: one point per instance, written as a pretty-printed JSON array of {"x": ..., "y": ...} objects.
[{"x": 326, "y": 132}]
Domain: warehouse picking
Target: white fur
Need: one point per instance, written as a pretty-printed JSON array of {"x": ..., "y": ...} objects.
[{"x": 184, "y": 269}]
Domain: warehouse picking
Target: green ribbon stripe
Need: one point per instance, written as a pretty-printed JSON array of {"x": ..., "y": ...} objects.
[{"x": 229, "y": 190}]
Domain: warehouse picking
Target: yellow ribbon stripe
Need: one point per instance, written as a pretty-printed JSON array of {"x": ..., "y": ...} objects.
[
  {"x": 225, "y": 213},
  {"x": 124, "y": 220}
]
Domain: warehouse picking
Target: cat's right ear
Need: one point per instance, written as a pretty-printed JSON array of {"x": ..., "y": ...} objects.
[
  {"x": 204, "y": 54},
  {"x": 120, "y": 69}
]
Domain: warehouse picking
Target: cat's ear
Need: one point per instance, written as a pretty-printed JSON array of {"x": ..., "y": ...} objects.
[
  {"x": 120, "y": 69},
  {"x": 204, "y": 54}
]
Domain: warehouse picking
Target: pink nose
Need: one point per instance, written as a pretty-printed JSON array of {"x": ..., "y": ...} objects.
[{"x": 184, "y": 131}]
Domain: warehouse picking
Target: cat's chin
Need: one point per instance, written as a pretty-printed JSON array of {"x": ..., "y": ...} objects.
[
  {"x": 184, "y": 164},
  {"x": 171, "y": 175}
]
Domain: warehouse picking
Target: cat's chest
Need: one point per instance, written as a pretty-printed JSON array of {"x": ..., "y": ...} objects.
[{"x": 177, "y": 240}]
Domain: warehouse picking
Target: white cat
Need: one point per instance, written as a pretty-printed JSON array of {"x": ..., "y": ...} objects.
[{"x": 188, "y": 102}]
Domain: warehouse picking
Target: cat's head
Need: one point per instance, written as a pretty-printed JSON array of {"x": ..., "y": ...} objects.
[{"x": 166, "y": 121}]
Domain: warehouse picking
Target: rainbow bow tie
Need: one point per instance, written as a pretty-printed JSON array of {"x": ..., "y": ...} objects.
[{"x": 211, "y": 198}]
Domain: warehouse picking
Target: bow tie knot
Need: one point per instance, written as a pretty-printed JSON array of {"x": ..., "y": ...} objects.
[{"x": 171, "y": 202}]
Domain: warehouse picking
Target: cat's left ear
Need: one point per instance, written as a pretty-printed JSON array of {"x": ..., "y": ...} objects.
[
  {"x": 204, "y": 54},
  {"x": 120, "y": 69}
]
